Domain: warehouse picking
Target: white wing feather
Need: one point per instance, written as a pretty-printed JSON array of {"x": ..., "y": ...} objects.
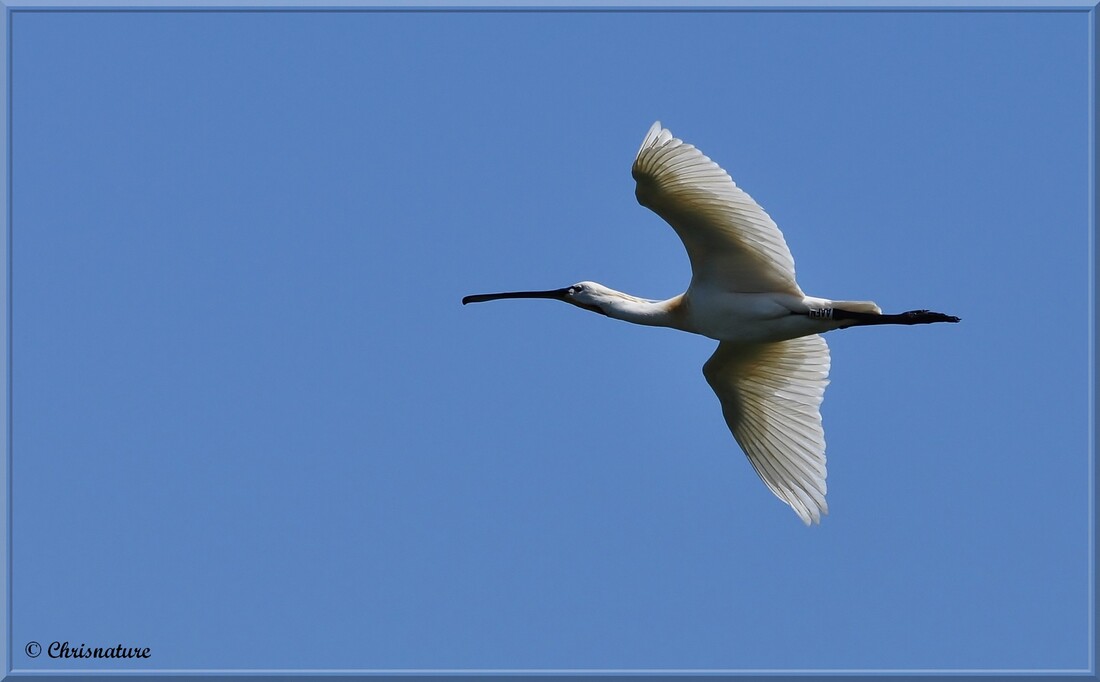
[
  {"x": 771, "y": 397},
  {"x": 732, "y": 243}
]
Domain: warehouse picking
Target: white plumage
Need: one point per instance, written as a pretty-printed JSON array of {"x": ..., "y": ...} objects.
[{"x": 771, "y": 366}]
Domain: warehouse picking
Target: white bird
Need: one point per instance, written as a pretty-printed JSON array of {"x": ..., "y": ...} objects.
[{"x": 771, "y": 366}]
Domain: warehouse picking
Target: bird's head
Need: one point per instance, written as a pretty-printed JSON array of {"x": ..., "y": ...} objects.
[{"x": 587, "y": 295}]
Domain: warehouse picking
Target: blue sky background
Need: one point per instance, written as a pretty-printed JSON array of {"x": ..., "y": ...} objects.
[{"x": 254, "y": 428}]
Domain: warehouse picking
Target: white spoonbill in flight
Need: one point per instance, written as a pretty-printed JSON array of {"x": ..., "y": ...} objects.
[{"x": 771, "y": 365}]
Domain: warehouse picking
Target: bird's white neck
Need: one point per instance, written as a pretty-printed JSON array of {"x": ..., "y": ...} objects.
[{"x": 629, "y": 308}]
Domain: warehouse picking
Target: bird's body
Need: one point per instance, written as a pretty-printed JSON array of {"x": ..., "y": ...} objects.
[
  {"x": 771, "y": 366},
  {"x": 753, "y": 318}
]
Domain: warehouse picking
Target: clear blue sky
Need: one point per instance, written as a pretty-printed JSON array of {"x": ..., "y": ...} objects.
[{"x": 254, "y": 428}]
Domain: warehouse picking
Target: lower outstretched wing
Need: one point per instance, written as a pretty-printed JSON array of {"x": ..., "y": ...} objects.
[{"x": 771, "y": 397}]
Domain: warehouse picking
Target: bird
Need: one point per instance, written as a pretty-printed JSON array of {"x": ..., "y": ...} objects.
[{"x": 772, "y": 365}]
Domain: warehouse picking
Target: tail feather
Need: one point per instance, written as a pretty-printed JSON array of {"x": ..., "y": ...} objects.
[{"x": 858, "y": 307}]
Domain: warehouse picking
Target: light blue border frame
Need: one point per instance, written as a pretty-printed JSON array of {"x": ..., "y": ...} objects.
[
  {"x": 5, "y": 291},
  {"x": 7, "y": 8}
]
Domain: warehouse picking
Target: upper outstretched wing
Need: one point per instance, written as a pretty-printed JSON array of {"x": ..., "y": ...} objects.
[
  {"x": 771, "y": 397},
  {"x": 730, "y": 240}
]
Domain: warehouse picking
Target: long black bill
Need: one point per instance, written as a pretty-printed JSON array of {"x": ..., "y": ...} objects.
[{"x": 558, "y": 294}]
